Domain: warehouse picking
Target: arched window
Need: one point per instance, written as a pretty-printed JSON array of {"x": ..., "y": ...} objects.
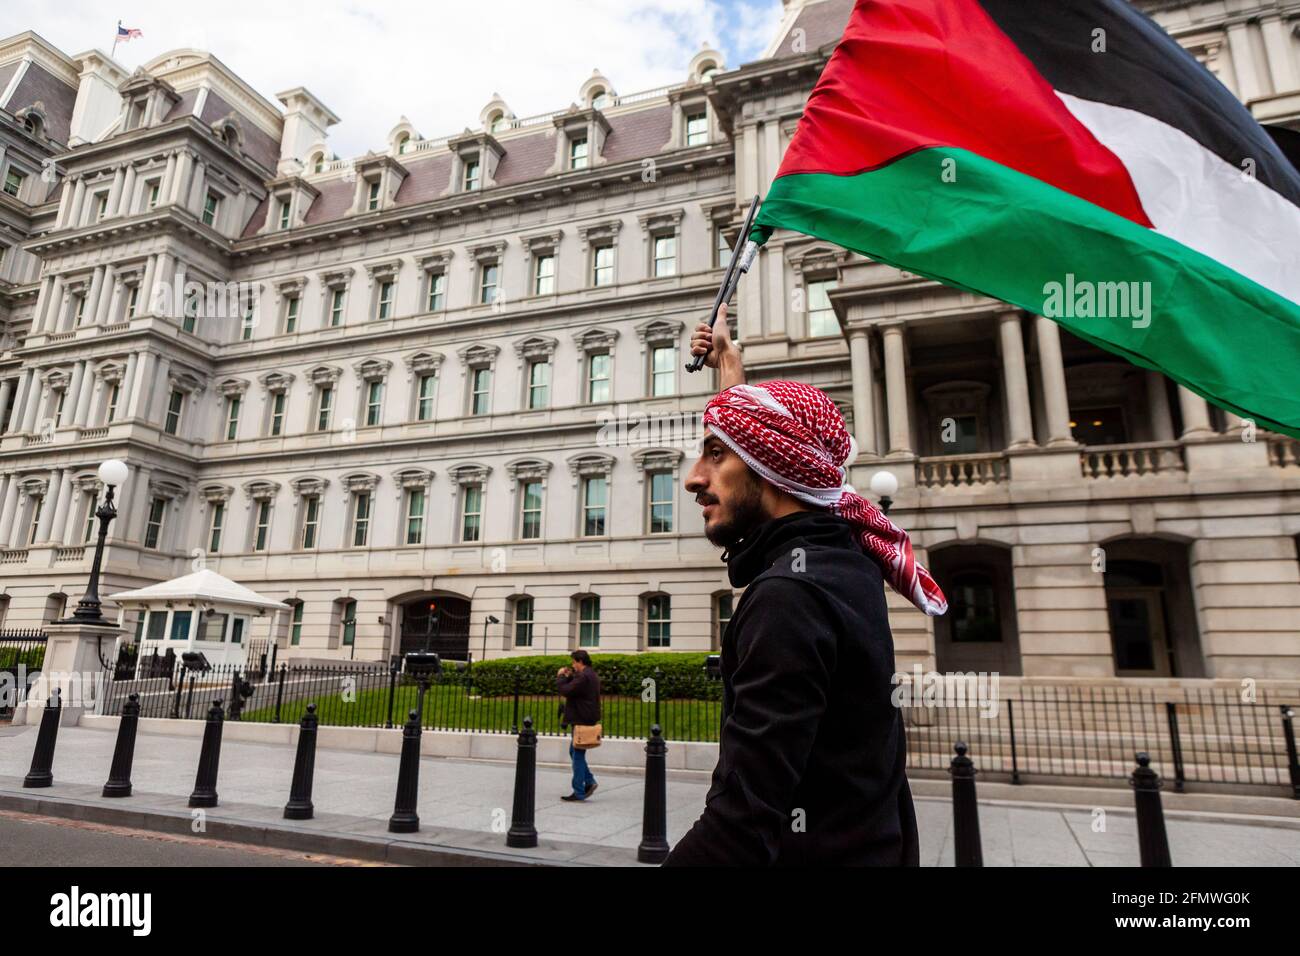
[
  {"x": 973, "y": 608},
  {"x": 498, "y": 122},
  {"x": 599, "y": 98}
]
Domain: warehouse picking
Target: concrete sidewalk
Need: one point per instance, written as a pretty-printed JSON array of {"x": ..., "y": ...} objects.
[{"x": 464, "y": 808}]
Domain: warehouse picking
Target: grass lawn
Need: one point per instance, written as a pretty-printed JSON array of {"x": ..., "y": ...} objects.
[{"x": 449, "y": 707}]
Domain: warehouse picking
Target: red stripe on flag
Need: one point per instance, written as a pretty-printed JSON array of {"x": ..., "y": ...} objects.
[{"x": 914, "y": 74}]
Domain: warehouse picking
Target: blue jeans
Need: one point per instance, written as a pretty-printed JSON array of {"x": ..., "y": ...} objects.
[{"x": 581, "y": 775}]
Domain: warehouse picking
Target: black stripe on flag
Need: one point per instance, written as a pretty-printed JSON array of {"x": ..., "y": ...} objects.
[{"x": 1142, "y": 69}]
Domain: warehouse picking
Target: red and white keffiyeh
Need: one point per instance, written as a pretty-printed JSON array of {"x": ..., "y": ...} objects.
[{"x": 793, "y": 436}]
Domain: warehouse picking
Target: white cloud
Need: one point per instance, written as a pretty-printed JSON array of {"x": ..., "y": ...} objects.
[{"x": 438, "y": 63}]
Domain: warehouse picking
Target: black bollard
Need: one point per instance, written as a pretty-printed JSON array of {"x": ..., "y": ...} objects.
[
  {"x": 1153, "y": 844},
  {"x": 205, "y": 781},
  {"x": 300, "y": 806},
  {"x": 1293, "y": 764},
  {"x": 522, "y": 831},
  {"x": 404, "y": 818},
  {"x": 967, "y": 850},
  {"x": 119, "y": 775},
  {"x": 654, "y": 824},
  {"x": 41, "y": 774}
]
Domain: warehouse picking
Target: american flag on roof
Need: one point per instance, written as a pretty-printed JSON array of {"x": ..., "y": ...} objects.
[{"x": 127, "y": 33}]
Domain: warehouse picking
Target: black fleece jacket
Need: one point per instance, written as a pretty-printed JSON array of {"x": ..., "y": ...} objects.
[{"x": 811, "y": 757}]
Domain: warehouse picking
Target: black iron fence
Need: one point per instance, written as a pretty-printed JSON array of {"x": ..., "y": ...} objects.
[
  {"x": 1194, "y": 735},
  {"x": 22, "y": 654}
]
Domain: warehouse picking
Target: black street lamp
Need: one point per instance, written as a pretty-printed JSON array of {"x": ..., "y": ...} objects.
[{"x": 113, "y": 474}]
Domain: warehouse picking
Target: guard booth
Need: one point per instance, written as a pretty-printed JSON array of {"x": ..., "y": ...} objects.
[{"x": 203, "y": 612}]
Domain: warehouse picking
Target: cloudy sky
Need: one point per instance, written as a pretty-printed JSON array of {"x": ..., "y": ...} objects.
[{"x": 437, "y": 62}]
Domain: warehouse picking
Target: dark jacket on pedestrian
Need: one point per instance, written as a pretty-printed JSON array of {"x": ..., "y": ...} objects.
[
  {"x": 811, "y": 755},
  {"x": 581, "y": 693}
]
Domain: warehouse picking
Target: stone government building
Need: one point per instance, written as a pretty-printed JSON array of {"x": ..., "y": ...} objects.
[{"x": 361, "y": 385}]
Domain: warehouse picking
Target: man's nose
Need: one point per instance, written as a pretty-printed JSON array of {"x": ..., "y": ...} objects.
[{"x": 695, "y": 480}]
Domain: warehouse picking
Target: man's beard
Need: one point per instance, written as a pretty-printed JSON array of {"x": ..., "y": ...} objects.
[{"x": 746, "y": 514}]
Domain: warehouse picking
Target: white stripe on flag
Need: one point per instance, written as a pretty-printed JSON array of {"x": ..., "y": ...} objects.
[{"x": 1194, "y": 197}]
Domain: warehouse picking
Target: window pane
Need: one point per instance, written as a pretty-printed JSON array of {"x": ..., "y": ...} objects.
[
  {"x": 598, "y": 377},
  {"x": 594, "y": 498},
  {"x": 539, "y": 381},
  {"x": 821, "y": 317},
  {"x": 473, "y": 508},
  {"x": 531, "y": 518},
  {"x": 661, "y": 502},
  {"x": 180, "y": 625}
]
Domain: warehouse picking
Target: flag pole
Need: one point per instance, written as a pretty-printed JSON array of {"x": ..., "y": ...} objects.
[
  {"x": 742, "y": 257},
  {"x": 117, "y": 34}
]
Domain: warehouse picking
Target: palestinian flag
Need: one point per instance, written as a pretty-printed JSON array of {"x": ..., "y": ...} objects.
[{"x": 1071, "y": 159}]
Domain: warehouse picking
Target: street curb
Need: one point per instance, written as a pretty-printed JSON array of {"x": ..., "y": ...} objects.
[{"x": 397, "y": 850}]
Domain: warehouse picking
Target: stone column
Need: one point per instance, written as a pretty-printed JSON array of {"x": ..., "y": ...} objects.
[
  {"x": 864, "y": 416},
  {"x": 48, "y": 506},
  {"x": 107, "y": 293},
  {"x": 1056, "y": 399},
  {"x": 33, "y": 402},
  {"x": 72, "y": 529},
  {"x": 178, "y": 191},
  {"x": 88, "y": 387},
  {"x": 78, "y": 201},
  {"x": 115, "y": 191},
  {"x": 9, "y": 509},
  {"x": 73, "y": 394},
  {"x": 16, "y": 527},
  {"x": 128, "y": 387},
  {"x": 1015, "y": 381},
  {"x": 138, "y": 518},
  {"x": 91, "y": 307},
  {"x": 165, "y": 276},
  {"x": 123, "y": 207},
  {"x": 43, "y": 300},
  {"x": 198, "y": 187},
  {"x": 61, "y": 507},
  {"x": 6, "y": 389},
  {"x": 20, "y": 405},
  {"x": 158, "y": 399},
  {"x": 1196, "y": 414},
  {"x": 143, "y": 387},
  {"x": 1162, "y": 422},
  {"x": 900, "y": 435}
]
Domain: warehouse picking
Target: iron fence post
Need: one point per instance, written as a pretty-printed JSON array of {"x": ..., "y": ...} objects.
[
  {"x": 393, "y": 671},
  {"x": 514, "y": 722},
  {"x": 1011, "y": 722},
  {"x": 1293, "y": 765},
  {"x": 1175, "y": 744},
  {"x": 279, "y": 692}
]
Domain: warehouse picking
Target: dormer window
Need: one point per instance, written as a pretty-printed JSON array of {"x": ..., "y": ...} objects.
[
  {"x": 284, "y": 214},
  {"x": 697, "y": 129},
  {"x": 135, "y": 116},
  {"x": 211, "y": 207},
  {"x": 318, "y": 163},
  {"x": 14, "y": 182},
  {"x": 473, "y": 176},
  {"x": 154, "y": 188},
  {"x": 498, "y": 123},
  {"x": 599, "y": 100},
  {"x": 32, "y": 124},
  {"x": 101, "y": 205},
  {"x": 578, "y": 153},
  {"x": 372, "y": 196}
]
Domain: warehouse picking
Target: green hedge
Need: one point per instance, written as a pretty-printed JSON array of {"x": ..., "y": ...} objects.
[{"x": 680, "y": 675}]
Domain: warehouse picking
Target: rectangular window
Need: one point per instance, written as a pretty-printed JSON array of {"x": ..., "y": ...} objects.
[
  {"x": 232, "y": 416},
  {"x": 132, "y": 301},
  {"x": 154, "y": 191},
  {"x": 175, "y": 404},
  {"x": 190, "y": 312},
  {"x": 472, "y": 179},
  {"x": 697, "y": 129},
  {"x": 530, "y": 518},
  {"x": 488, "y": 276},
  {"x": 348, "y": 623},
  {"x": 374, "y": 402},
  {"x": 426, "y": 390},
  {"x": 295, "y": 631},
  {"x": 661, "y": 502},
  {"x": 372, "y": 197},
  {"x": 214, "y": 526},
  {"x": 539, "y": 384},
  {"x": 723, "y": 250},
  {"x": 237, "y": 630},
  {"x": 284, "y": 214},
  {"x": 480, "y": 391},
  {"x": 310, "y": 520},
  {"x": 578, "y": 153},
  {"x": 13, "y": 181},
  {"x": 385, "y": 304},
  {"x": 79, "y": 310},
  {"x": 157, "y": 630},
  {"x": 101, "y": 205},
  {"x": 181, "y": 625},
  {"x": 595, "y": 492},
  {"x": 415, "y": 516},
  {"x": 589, "y": 621},
  {"x": 658, "y": 616},
  {"x": 58, "y": 408},
  {"x": 212, "y": 626},
  {"x": 324, "y": 405},
  {"x": 663, "y": 370},
  {"x": 524, "y": 622},
  {"x": 249, "y": 319},
  {"x": 262, "y": 526},
  {"x": 665, "y": 263},
  {"x": 437, "y": 283},
  {"x": 114, "y": 393},
  {"x": 89, "y": 530},
  {"x": 291, "y": 305},
  {"x": 360, "y": 519},
  {"x": 602, "y": 265},
  {"x": 211, "y": 206},
  {"x": 821, "y": 316},
  {"x": 153, "y": 524},
  {"x": 544, "y": 275},
  {"x": 471, "y": 512},
  {"x": 277, "y": 413},
  {"x": 598, "y": 385},
  {"x": 336, "y": 307}
]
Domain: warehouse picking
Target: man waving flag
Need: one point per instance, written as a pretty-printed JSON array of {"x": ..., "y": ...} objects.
[{"x": 1071, "y": 159}]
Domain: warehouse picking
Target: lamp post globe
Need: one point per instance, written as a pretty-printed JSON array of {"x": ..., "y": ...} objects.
[
  {"x": 113, "y": 473},
  {"x": 884, "y": 484}
]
